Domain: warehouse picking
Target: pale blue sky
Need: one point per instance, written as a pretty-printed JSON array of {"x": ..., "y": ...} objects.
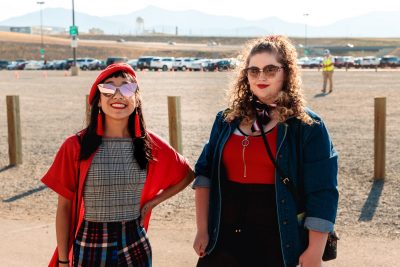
[{"x": 321, "y": 12}]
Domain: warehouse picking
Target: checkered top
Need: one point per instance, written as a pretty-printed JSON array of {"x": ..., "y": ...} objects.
[{"x": 114, "y": 183}]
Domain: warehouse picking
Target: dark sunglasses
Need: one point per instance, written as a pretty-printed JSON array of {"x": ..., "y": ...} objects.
[
  {"x": 269, "y": 71},
  {"x": 127, "y": 89}
]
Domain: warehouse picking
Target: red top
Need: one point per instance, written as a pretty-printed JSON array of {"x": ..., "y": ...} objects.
[
  {"x": 168, "y": 169},
  {"x": 256, "y": 167}
]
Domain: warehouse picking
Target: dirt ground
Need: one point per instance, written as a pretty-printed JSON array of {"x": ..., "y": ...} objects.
[{"x": 52, "y": 108}]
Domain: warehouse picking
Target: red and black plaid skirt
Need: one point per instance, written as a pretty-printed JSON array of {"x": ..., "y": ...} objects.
[{"x": 112, "y": 244}]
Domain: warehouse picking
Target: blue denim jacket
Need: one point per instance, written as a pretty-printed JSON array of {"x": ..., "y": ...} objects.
[{"x": 319, "y": 181}]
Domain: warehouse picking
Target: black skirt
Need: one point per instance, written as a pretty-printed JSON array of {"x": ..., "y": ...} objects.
[{"x": 249, "y": 231}]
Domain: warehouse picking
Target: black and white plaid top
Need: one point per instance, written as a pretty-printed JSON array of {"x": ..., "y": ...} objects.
[{"x": 114, "y": 183}]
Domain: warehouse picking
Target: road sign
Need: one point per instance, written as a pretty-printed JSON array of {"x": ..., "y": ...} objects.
[
  {"x": 73, "y": 30},
  {"x": 41, "y": 51},
  {"x": 74, "y": 43},
  {"x": 306, "y": 52}
]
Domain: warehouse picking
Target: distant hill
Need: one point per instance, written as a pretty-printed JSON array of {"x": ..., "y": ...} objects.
[{"x": 191, "y": 22}]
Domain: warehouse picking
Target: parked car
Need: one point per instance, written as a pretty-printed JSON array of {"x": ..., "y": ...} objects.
[
  {"x": 302, "y": 61},
  {"x": 3, "y": 64},
  {"x": 344, "y": 62},
  {"x": 314, "y": 62},
  {"x": 370, "y": 62},
  {"x": 60, "y": 64},
  {"x": 112, "y": 60},
  {"x": 162, "y": 63},
  {"x": 212, "y": 65},
  {"x": 97, "y": 65},
  {"x": 33, "y": 65},
  {"x": 226, "y": 64},
  {"x": 83, "y": 63},
  {"x": 144, "y": 62},
  {"x": 187, "y": 63},
  {"x": 12, "y": 65},
  {"x": 177, "y": 63},
  {"x": 357, "y": 62},
  {"x": 389, "y": 61},
  {"x": 200, "y": 64},
  {"x": 133, "y": 63}
]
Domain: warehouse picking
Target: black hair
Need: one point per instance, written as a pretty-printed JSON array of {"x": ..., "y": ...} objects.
[{"x": 91, "y": 141}]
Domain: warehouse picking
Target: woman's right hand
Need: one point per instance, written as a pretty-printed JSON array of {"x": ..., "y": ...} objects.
[{"x": 200, "y": 243}]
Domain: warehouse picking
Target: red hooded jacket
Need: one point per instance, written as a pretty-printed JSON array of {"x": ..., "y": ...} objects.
[{"x": 167, "y": 169}]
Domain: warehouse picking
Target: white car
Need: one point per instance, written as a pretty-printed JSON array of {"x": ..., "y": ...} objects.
[
  {"x": 369, "y": 62},
  {"x": 84, "y": 63},
  {"x": 34, "y": 65},
  {"x": 200, "y": 64},
  {"x": 162, "y": 63},
  {"x": 133, "y": 63},
  {"x": 177, "y": 63}
]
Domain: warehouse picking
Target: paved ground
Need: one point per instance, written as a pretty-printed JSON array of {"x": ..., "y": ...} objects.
[{"x": 31, "y": 243}]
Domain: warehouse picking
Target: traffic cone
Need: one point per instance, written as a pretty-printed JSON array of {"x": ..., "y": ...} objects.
[
  {"x": 45, "y": 74},
  {"x": 16, "y": 74}
]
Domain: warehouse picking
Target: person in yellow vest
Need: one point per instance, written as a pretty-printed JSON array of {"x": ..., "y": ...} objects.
[{"x": 327, "y": 70}]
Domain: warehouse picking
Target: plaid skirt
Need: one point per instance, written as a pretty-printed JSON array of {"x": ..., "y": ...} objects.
[{"x": 112, "y": 244}]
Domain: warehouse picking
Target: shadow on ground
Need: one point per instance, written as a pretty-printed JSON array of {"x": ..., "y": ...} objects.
[{"x": 370, "y": 205}]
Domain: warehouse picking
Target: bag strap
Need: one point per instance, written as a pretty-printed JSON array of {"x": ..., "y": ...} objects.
[{"x": 284, "y": 178}]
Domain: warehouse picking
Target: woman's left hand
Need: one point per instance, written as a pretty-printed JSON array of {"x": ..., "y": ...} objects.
[
  {"x": 145, "y": 210},
  {"x": 311, "y": 258}
]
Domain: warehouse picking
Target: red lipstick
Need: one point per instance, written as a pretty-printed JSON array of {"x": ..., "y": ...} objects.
[{"x": 262, "y": 86}]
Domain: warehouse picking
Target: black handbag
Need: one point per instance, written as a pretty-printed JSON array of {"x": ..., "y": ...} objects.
[{"x": 330, "y": 251}]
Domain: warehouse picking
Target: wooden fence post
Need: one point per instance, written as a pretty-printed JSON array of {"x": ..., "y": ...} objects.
[
  {"x": 380, "y": 138},
  {"x": 14, "y": 130},
  {"x": 174, "y": 119}
]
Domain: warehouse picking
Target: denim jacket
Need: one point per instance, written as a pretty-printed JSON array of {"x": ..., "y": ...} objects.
[{"x": 318, "y": 181}]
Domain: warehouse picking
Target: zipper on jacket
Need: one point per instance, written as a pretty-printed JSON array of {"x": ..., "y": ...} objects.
[
  {"x": 276, "y": 197},
  {"x": 245, "y": 143}
]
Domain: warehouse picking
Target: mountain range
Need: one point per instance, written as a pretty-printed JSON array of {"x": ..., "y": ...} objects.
[{"x": 192, "y": 22}]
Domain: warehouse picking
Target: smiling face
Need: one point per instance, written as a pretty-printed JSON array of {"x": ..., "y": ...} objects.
[
  {"x": 117, "y": 106},
  {"x": 266, "y": 87}
]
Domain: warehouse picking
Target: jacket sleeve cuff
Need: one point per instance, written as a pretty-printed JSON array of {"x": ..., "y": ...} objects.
[
  {"x": 318, "y": 224},
  {"x": 201, "y": 181}
]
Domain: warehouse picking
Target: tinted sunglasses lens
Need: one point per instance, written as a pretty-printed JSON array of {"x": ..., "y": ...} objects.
[
  {"x": 253, "y": 72},
  {"x": 128, "y": 89},
  {"x": 270, "y": 70},
  {"x": 106, "y": 89}
]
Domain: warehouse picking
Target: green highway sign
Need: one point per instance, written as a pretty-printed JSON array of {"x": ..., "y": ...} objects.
[
  {"x": 41, "y": 51},
  {"x": 73, "y": 30}
]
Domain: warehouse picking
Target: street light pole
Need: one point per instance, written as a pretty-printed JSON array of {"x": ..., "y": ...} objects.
[
  {"x": 74, "y": 36},
  {"x": 305, "y": 32},
  {"x": 41, "y": 29},
  {"x": 74, "y": 33}
]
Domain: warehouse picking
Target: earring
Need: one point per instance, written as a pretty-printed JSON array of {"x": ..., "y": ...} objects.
[
  {"x": 99, "y": 129},
  {"x": 138, "y": 132}
]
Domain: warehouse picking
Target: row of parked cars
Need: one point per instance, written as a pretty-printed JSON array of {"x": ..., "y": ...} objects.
[
  {"x": 353, "y": 62},
  {"x": 144, "y": 62}
]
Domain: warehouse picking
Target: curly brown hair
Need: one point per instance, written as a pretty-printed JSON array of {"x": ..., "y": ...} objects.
[{"x": 290, "y": 100}]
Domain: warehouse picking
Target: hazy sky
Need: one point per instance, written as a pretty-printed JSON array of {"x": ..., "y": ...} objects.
[{"x": 320, "y": 12}]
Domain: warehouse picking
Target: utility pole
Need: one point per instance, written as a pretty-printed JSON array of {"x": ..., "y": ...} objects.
[
  {"x": 305, "y": 33},
  {"x": 41, "y": 30},
  {"x": 74, "y": 44}
]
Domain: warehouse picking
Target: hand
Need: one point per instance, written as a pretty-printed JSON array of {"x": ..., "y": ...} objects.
[
  {"x": 145, "y": 210},
  {"x": 311, "y": 258},
  {"x": 200, "y": 243}
]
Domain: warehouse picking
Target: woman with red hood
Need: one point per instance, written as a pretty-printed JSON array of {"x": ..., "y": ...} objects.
[{"x": 110, "y": 176}]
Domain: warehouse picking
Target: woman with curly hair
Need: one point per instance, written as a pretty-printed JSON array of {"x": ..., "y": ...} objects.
[{"x": 266, "y": 181}]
